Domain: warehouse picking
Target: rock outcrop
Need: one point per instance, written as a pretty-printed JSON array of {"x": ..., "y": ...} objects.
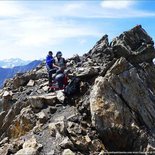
[{"x": 114, "y": 111}]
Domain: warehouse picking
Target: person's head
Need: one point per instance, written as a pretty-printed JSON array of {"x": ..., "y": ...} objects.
[
  {"x": 59, "y": 54},
  {"x": 50, "y": 53}
]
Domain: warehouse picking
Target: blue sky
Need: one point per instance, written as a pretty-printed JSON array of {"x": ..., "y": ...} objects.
[{"x": 29, "y": 29}]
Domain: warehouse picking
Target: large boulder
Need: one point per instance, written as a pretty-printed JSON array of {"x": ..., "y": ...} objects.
[
  {"x": 122, "y": 98},
  {"x": 37, "y": 102},
  {"x": 22, "y": 124}
]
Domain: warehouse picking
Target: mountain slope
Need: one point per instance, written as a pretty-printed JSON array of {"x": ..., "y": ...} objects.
[
  {"x": 10, "y": 63},
  {"x": 6, "y": 73},
  {"x": 113, "y": 112}
]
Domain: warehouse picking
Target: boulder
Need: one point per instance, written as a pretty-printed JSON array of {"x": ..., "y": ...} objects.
[
  {"x": 32, "y": 143},
  {"x": 6, "y": 100},
  {"x": 41, "y": 100},
  {"x": 60, "y": 96},
  {"x": 41, "y": 117},
  {"x": 27, "y": 151},
  {"x": 58, "y": 127},
  {"x": 68, "y": 152},
  {"x": 31, "y": 83},
  {"x": 120, "y": 98},
  {"x": 66, "y": 143},
  {"x": 22, "y": 124}
]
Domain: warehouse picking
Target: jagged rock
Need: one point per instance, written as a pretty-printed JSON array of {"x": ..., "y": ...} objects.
[
  {"x": 114, "y": 110},
  {"x": 102, "y": 152},
  {"x": 32, "y": 143},
  {"x": 30, "y": 147},
  {"x": 31, "y": 83},
  {"x": 60, "y": 96},
  {"x": 10, "y": 147},
  {"x": 38, "y": 128},
  {"x": 88, "y": 63},
  {"x": 40, "y": 101},
  {"x": 5, "y": 150},
  {"x": 2, "y": 116},
  {"x": 27, "y": 151},
  {"x": 135, "y": 45},
  {"x": 1, "y": 104},
  {"x": 23, "y": 79},
  {"x": 73, "y": 118},
  {"x": 36, "y": 102},
  {"x": 86, "y": 72},
  {"x": 58, "y": 127},
  {"x": 120, "y": 98},
  {"x": 101, "y": 45},
  {"x": 44, "y": 84},
  {"x": 66, "y": 143},
  {"x": 150, "y": 149},
  {"x": 82, "y": 143},
  {"x": 5, "y": 140},
  {"x": 45, "y": 88},
  {"x": 97, "y": 145},
  {"x": 7, "y": 100},
  {"x": 102, "y": 53},
  {"x": 42, "y": 117},
  {"x": 68, "y": 152},
  {"x": 52, "y": 129},
  {"x": 51, "y": 153},
  {"x": 19, "y": 81},
  {"x": 53, "y": 109},
  {"x": 23, "y": 123},
  {"x": 9, "y": 117},
  {"x": 75, "y": 61},
  {"x": 41, "y": 73}
]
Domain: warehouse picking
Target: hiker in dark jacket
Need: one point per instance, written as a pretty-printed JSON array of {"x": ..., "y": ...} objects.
[
  {"x": 51, "y": 67},
  {"x": 60, "y": 76},
  {"x": 60, "y": 61}
]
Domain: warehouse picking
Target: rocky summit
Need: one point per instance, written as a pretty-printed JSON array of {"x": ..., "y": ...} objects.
[{"x": 113, "y": 112}]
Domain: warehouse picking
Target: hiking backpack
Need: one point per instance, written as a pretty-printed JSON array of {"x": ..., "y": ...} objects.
[{"x": 73, "y": 87}]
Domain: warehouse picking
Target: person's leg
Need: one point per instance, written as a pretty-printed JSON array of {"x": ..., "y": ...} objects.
[
  {"x": 49, "y": 74},
  {"x": 50, "y": 78},
  {"x": 60, "y": 79}
]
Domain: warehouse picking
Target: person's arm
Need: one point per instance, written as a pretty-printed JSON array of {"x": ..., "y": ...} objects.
[
  {"x": 48, "y": 60},
  {"x": 54, "y": 65},
  {"x": 65, "y": 62}
]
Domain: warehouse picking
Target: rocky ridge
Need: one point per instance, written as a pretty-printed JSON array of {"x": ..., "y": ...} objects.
[{"x": 114, "y": 111}]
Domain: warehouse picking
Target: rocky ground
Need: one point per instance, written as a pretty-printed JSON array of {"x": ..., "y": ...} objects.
[{"x": 114, "y": 111}]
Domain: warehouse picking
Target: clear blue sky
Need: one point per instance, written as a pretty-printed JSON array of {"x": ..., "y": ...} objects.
[{"x": 29, "y": 29}]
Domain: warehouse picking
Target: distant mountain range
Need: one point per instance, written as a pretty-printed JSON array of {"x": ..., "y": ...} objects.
[
  {"x": 6, "y": 73},
  {"x": 10, "y": 63}
]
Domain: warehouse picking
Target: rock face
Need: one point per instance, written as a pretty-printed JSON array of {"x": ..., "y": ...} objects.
[
  {"x": 135, "y": 45},
  {"x": 114, "y": 111}
]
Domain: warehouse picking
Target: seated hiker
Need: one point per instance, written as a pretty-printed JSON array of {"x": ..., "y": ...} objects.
[
  {"x": 60, "y": 61},
  {"x": 50, "y": 65},
  {"x": 60, "y": 80}
]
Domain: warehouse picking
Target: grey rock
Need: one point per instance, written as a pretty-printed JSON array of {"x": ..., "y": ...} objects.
[
  {"x": 60, "y": 96},
  {"x": 31, "y": 83},
  {"x": 68, "y": 152}
]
